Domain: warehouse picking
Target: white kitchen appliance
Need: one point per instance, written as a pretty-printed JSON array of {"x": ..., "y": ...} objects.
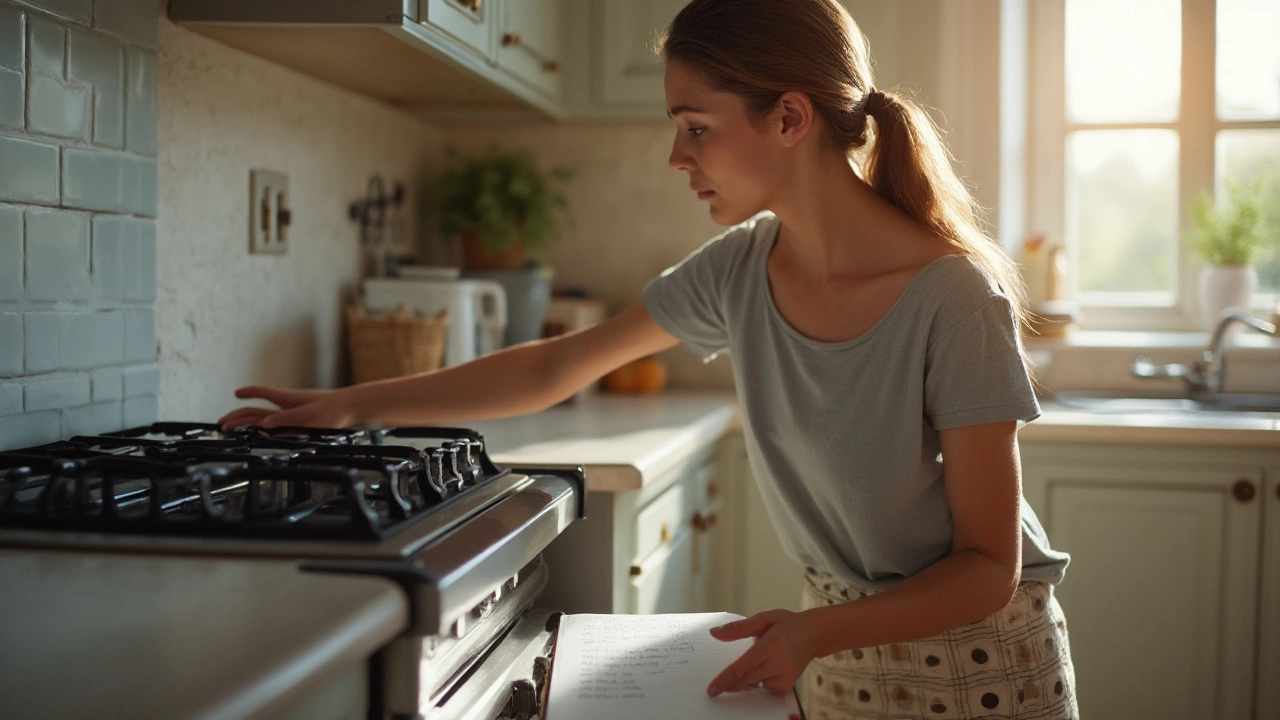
[{"x": 477, "y": 310}]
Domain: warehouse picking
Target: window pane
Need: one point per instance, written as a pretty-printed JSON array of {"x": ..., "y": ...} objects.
[
  {"x": 1124, "y": 60},
  {"x": 1248, "y": 155},
  {"x": 1122, "y": 218},
  {"x": 1248, "y": 65}
]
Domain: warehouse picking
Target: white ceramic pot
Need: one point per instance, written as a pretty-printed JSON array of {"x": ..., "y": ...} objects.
[{"x": 1224, "y": 286}]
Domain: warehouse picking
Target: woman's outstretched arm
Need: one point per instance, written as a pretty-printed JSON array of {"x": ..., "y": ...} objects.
[{"x": 521, "y": 379}]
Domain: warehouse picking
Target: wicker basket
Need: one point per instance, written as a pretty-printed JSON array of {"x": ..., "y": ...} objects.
[{"x": 394, "y": 344}]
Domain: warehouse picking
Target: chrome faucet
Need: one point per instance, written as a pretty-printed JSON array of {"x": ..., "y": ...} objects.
[{"x": 1206, "y": 374}]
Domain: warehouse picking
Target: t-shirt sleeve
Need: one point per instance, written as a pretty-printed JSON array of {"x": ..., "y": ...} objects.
[
  {"x": 687, "y": 299},
  {"x": 974, "y": 372}
]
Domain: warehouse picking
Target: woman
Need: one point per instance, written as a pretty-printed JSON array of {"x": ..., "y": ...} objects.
[{"x": 872, "y": 329}]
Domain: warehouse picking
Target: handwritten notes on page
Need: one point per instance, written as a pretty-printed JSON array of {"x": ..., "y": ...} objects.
[{"x": 641, "y": 667}]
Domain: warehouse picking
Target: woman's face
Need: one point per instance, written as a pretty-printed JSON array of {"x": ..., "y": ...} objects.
[{"x": 730, "y": 163}]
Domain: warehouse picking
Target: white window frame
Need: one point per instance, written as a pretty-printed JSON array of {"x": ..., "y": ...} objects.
[{"x": 1197, "y": 126}]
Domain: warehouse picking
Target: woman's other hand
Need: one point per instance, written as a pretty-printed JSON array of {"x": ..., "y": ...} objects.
[
  {"x": 785, "y": 644},
  {"x": 297, "y": 408}
]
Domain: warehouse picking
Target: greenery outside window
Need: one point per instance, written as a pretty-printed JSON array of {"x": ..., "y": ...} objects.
[{"x": 1137, "y": 108}]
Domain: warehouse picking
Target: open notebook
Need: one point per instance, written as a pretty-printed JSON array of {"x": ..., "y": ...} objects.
[{"x": 640, "y": 667}]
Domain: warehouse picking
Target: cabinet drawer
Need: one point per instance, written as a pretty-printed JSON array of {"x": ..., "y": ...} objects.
[
  {"x": 662, "y": 520},
  {"x": 470, "y": 21},
  {"x": 665, "y": 582}
]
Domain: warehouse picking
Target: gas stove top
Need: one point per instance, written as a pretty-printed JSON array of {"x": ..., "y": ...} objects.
[
  {"x": 423, "y": 506},
  {"x": 193, "y": 479}
]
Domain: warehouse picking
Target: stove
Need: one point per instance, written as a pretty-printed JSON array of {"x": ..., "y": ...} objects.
[{"x": 424, "y": 506}]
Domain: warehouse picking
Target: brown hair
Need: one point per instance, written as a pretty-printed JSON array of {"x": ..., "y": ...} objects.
[{"x": 759, "y": 49}]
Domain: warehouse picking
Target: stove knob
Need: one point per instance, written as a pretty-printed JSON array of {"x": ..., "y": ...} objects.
[
  {"x": 523, "y": 702},
  {"x": 485, "y": 607},
  {"x": 452, "y": 477},
  {"x": 464, "y": 460}
]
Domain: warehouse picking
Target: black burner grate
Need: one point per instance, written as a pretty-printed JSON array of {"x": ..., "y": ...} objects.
[{"x": 193, "y": 478}]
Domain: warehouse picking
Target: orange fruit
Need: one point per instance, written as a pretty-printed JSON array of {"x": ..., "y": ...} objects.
[
  {"x": 620, "y": 380},
  {"x": 650, "y": 375},
  {"x": 646, "y": 375}
]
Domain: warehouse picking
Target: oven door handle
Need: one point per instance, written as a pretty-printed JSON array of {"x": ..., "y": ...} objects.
[{"x": 463, "y": 568}]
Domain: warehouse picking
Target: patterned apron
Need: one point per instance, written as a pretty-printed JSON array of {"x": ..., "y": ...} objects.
[{"x": 1015, "y": 663}]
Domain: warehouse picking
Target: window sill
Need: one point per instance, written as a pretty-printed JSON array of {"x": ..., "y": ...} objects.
[
  {"x": 1140, "y": 340},
  {"x": 1099, "y": 360}
]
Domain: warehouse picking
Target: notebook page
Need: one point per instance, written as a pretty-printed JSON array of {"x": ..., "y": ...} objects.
[{"x": 641, "y": 667}]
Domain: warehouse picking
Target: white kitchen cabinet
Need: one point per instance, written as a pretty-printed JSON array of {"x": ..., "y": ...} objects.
[
  {"x": 529, "y": 46},
  {"x": 652, "y": 550},
  {"x": 664, "y": 581},
  {"x": 766, "y": 579},
  {"x": 1162, "y": 593},
  {"x": 616, "y": 76},
  {"x": 442, "y": 59},
  {"x": 1269, "y": 613},
  {"x": 713, "y": 568},
  {"x": 628, "y": 75},
  {"x": 470, "y": 22}
]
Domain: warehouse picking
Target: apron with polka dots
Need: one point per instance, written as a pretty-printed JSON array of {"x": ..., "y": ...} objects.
[{"x": 1015, "y": 663}]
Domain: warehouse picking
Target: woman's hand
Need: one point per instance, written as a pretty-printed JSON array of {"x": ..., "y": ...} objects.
[
  {"x": 298, "y": 408},
  {"x": 785, "y": 644}
]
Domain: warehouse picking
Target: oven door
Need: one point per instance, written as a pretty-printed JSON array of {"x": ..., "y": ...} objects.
[{"x": 510, "y": 681}]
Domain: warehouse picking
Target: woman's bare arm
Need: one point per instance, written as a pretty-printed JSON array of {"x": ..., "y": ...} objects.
[{"x": 518, "y": 380}]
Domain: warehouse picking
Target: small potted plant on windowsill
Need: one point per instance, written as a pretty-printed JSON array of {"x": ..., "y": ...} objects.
[
  {"x": 504, "y": 211},
  {"x": 1229, "y": 239}
]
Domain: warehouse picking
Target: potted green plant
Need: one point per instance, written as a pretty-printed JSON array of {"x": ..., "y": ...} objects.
[
  {"x": 500, "y": 206},
  {"x": 502, "y": 209},
  {"x": 1229, "y": 238}
]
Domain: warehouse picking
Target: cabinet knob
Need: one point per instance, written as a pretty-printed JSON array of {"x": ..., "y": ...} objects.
[
  {"x": 511, "y": 40},
  {"x": 704, "y": 522},
  {"x": 665, "y": 533},
  {"x": 636, "y": 570},
  {"x": 712, "y": 490},
  {"x": 551, "y": 66},
  {"x": 472, "y": 5},
  {"x": 1243, "y": 490}
]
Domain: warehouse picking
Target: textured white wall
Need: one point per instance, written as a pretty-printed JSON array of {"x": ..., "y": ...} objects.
[{"x": 226, "y": 318}]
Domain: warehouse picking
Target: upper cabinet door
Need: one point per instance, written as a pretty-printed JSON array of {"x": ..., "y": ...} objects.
[
  {"x": 628, "y": 75},
  {"x": 467, "y": 20},
  {"x": 529, "y": 44}
]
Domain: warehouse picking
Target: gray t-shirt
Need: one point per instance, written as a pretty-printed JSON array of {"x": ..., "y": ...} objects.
[{"x": 843, "y": 436}]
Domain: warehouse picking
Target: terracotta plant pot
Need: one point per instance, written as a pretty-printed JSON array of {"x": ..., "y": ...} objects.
[{"x": 476, "y": 257}]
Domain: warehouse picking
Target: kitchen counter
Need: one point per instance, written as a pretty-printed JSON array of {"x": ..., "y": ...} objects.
[
  {"x": 622, "y": 441},
  {"x": 1216, "y": 429},
  {"x": 143, "y": 636}
]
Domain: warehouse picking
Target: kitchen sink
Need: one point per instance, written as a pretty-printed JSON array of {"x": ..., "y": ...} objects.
[{"x": 1100, "y": 402}]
